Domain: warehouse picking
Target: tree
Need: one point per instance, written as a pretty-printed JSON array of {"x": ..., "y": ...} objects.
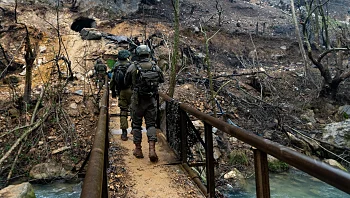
[
  {"x": 331, "y": 78},
  {"x": 219, "y": 11},
  {"x": 172, "y": 83},
  {"x": 29, "y": 58},
  {"x": 209, "y": 69}
]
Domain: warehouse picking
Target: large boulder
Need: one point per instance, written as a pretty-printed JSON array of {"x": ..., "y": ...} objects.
[
  {"x": 49, "y": 171},
  {"x": 237, "y": 179},
  {"x": 337, "y": 133},
  {"x": 23, "y": 190}
]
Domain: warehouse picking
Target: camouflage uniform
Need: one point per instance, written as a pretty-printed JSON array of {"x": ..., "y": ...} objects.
[
  {"x": 145, "y": 107},
  {"x": 124, "y": 99},
  {"x": 100, "y": 71}
]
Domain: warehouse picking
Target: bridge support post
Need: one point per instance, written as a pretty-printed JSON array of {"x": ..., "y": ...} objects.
[
  {"x": 261, "y": 174},
  {"x": 209, "y": 160}
]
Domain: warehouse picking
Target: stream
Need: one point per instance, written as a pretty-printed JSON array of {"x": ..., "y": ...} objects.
[
  {"x": 58, "y": 189},
  {"x": 292, "y": 184}
]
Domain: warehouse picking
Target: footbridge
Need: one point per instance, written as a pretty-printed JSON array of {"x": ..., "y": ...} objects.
[{"x": 176, "y": 149}]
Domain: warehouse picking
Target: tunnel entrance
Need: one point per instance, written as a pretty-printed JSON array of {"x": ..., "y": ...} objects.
[{"x": 82, "y": 22}]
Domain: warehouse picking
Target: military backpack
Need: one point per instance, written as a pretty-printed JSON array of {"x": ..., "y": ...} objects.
[
  {"x": 147, "y": 80},
  {"x": 119, "y": 75}
]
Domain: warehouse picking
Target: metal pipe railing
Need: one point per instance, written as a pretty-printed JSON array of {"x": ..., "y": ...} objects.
[
  {"x": 95, "y": 181},
  {"x": 318, "y": 169}
]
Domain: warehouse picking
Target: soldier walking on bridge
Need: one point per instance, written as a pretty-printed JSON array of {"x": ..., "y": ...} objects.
[
  {"x": 100, "y": 72},
  {"x": 121, "y": 90},
  {"x": 144, "y": 76}
]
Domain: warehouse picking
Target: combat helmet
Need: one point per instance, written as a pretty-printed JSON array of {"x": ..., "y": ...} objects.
[
  {"x": 99, "y": 61},
  {"x": 143, "y": 50},
  {"x": 123, "y": 54}
]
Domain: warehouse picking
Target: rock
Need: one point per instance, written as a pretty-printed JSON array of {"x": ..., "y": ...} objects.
[
  {"x": 232, "y": 174},
  {"x": 329, "y": 108},
  {"x": 198, "y": 124},
  {"x": 23, "y": 73},
  {"x": 48, "y": 171},
  {"x": 262, "y": 69},
  {"x": 283, "y": 47},
  {"x": 23, "y": 190},
  {"x": 217, "y": 153},
  {"x": 42, "y": 49},
  {"x": 79, "y": 76},
  {"x": 308, "y": 116},
  {"x": 90, "y": 34},
  {"x": 73, "y": 105},
  {"x": 337, "y": 133},
  {"x": 14, "y": 113},
  {"x": 334, "y": 163},
  {"x": 239, "y": 181},
  {"x": 233, "y": 140},
  {"x": 79, "y": 92},
  {"x": 90, "y": 74},
  {"x": 344, "y": 111},
  {"x": 196, "y": 30}
]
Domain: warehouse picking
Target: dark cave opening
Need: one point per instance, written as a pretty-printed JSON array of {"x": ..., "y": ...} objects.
[{"x": 82, "y": 22}]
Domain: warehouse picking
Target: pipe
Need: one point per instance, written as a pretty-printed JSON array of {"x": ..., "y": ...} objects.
[{"x": 93, "y": 182}]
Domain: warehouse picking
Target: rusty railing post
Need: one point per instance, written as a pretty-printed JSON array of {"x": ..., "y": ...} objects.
[
  {"x": 261, "y": 174},
  {"x": 183, "y": 129},
  {"x": 209, "y": 160}
]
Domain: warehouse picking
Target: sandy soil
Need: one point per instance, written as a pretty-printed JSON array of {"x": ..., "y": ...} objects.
[{"x": 143, "y": 178}]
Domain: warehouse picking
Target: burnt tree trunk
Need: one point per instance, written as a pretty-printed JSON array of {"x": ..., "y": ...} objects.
[{"x": 29, "y": 58}]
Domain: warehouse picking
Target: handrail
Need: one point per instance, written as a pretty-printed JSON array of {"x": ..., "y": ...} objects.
[
  {"x": 95, "y": 181},
  {"x": 318, "y": 169}
]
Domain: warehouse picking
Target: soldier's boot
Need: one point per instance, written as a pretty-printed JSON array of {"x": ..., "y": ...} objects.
[
  {"x": 138, "y": 151},
  {"x": 152, "y": 151},
  {"x": 124, "y": 135}
]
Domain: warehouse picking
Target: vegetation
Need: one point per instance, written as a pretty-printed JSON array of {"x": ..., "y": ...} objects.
[
  {"x": 277, "y": 166},
  {"x": 238, "y": 158},
  {"x": 329, "y": 42}
]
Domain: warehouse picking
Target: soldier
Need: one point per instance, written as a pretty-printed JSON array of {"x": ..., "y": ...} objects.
[
  {"x": 119, "y": 88},
  {"x": 100, "y": 72},
  {"x": 144, "y": 77}
]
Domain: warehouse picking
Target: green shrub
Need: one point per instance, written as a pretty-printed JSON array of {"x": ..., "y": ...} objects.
[
  {"x": 237, "y": 157},
  {"x": 277, "y": 166}
]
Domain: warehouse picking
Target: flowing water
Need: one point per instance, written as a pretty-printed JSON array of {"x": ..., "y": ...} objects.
[
  {"x": 57, "y": 189},
  {"x": 294, "y": 184}
]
